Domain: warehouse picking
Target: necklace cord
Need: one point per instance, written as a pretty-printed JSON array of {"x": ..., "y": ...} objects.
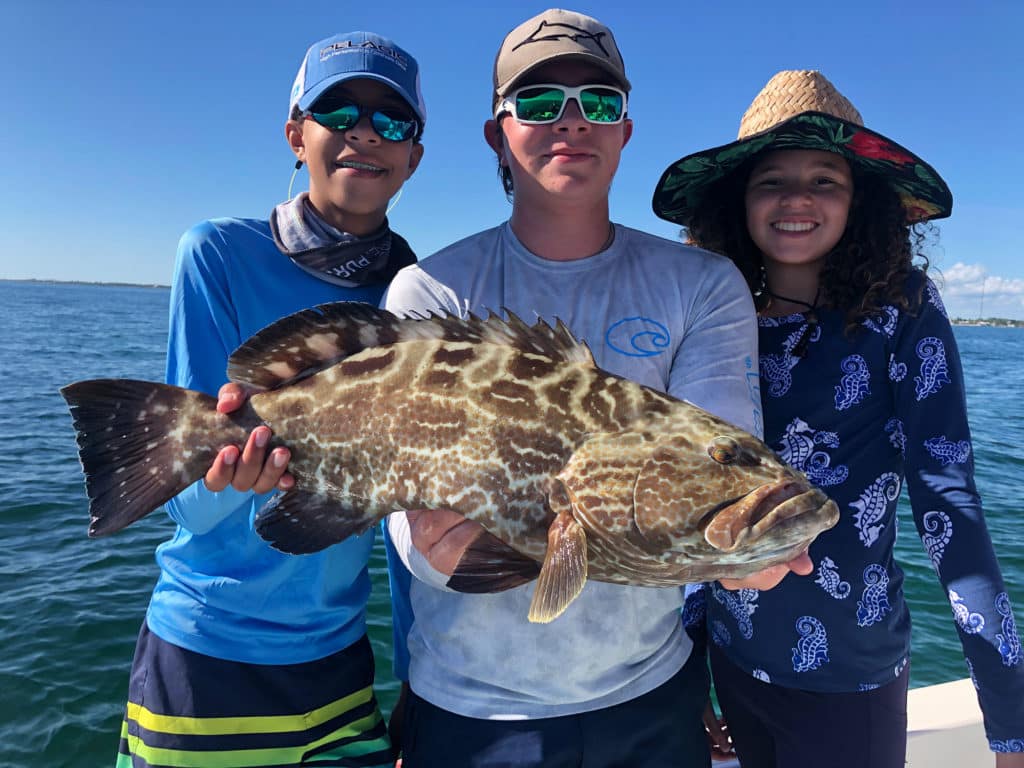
[{"x": 810, "y": 316}]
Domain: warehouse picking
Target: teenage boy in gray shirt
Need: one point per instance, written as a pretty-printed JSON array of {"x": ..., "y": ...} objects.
[{"x": 612, "y": 681}]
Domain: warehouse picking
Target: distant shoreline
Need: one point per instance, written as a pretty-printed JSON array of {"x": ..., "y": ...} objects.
[
  {"x": 988, "y": 322},
  {"x": 80, "y": 282}
]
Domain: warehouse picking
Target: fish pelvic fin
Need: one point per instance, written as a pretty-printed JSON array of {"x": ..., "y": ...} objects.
[
  {"x": 135, "y": 445},
  {"x": 312, "y": 340},
  {"x": 490, "y": 565},
  {"x": 564, "y": 572},
  {"x": 300, "y": 522}
]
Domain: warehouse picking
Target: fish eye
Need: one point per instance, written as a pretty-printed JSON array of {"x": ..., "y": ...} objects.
[{"x": 724, "y": 450}]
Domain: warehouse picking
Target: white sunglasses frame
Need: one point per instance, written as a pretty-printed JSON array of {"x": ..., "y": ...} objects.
[{"x": 572, "y": 92}]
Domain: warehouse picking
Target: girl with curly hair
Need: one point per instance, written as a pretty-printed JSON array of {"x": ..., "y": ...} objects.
[{"x": 862, "y": 390}]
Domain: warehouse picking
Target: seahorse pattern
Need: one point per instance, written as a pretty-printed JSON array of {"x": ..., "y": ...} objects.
[
  {"x": 874, "y": 602},
  {"x": 947, "y": 451},
  {"x": 939, "y": 531},
  {"x": 871, "y": 506},
  {"x": 741, "y": 604},
  {"x": 775, "y": 369},
  {"x": 828, "y": 579},
  {"x": 934, "y": 368},
  {"x": 796, "y": 447},
  {"x": 853, "y": 386},
  {"x": 1009, "y": 640},
  {"x": 971, "y": 623},
  {"x": 812, "y": 648},
  {"x": 885, "y": 324}
]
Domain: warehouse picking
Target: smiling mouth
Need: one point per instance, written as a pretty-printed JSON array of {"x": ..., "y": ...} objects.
[
  {"x": 360, "y": 166},
  {"x": 794, "y": 226}
]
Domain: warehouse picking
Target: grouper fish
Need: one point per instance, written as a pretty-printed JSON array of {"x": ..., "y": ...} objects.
[{"x": 575, "y": 473}]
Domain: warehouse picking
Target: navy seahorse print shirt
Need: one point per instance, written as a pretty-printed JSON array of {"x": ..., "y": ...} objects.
[{"x": 860, "y": 416}]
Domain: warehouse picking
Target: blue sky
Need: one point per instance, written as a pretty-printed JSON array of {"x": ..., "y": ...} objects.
[{"x": 125, "y": 123}]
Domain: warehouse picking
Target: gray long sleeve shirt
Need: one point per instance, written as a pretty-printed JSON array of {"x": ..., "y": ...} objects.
[{"x": 665, "y": 315}]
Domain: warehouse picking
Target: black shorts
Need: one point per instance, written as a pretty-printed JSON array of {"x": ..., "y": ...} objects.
[
  {"x": 660, "y": 729},
  {"x": 776, "y": 727}
]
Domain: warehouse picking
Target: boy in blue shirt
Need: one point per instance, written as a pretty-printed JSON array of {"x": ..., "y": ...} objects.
[{"x": 246, "y": 650}]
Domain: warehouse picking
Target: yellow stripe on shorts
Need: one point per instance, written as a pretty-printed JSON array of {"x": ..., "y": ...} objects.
[{"x": 225, "y": 726}]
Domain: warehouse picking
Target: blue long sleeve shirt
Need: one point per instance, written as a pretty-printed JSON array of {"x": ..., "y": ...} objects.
[
  {"x": 861, "y": 416},
  {"x": 222, "y": 590}
]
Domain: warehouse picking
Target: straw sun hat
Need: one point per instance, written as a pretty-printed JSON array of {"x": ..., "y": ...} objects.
[{"x": 801, "y": 109}]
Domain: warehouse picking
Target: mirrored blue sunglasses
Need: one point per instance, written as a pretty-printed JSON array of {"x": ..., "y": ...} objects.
[{"x": 388, "y": 124}]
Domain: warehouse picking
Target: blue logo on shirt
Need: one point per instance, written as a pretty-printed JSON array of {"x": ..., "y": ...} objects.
[{"x": 638, "y": 337}]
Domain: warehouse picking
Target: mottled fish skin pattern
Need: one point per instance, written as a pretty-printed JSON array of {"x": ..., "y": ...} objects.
[
  {"x": 509, "y": 425},
  {"x": 479, "y": 428}
]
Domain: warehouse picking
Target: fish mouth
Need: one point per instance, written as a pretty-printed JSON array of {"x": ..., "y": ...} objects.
[{"x": 744, "y": 519}]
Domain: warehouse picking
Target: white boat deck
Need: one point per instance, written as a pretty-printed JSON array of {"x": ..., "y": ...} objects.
[{"x": 944, "y": 728}]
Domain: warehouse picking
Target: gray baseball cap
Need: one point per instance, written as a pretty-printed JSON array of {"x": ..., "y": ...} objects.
[{"x": 556, "y": 34}]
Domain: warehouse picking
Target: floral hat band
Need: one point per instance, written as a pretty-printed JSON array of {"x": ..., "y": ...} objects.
[{"x": 801, "y": 109}]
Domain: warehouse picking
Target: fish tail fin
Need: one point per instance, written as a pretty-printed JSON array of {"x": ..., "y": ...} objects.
[{"x": 138, "y": 445}]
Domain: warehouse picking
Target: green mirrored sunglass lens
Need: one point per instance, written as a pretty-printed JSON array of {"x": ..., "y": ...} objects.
[
  {"x": 541, "y": 104},
  {"x": 601, "y": 106}
]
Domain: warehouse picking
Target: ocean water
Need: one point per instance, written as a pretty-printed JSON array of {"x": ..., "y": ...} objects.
[{"x": 70, "y": 607}]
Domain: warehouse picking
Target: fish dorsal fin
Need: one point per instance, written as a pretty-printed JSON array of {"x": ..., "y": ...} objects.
[
  {"x": 311, "y": 340},
  {"x": 554, "y": 341}
]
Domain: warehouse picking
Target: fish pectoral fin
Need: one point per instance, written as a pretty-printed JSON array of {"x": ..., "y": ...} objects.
[
  {"x": 300, "y": 522},
  {"x": 564, "y": 571},
  {"x": 490, "y": 565}
]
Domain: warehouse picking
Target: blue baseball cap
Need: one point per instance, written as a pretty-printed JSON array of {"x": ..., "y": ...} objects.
[{"x": 349, "y": 55}]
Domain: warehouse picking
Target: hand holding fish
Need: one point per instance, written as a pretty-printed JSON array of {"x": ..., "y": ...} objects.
[
  {"x": 249, "y": 468},
  {"x": 772, "y": 575},
  {"x": 442, "y": 536}
]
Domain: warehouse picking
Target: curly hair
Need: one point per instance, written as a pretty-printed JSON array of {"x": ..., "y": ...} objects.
[{"x": 867, "y": 269}]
